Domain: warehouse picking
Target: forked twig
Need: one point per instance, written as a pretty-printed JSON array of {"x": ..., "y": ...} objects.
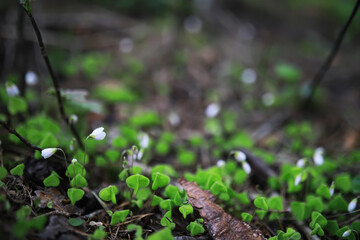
[{"x": 26, "y": 5}]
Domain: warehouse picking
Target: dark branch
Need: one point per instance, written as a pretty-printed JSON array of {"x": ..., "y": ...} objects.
[
  {"x": 324, "y": 68},
  {"x": 54, "y": 79},
  {"x": 23, "y": 140}
]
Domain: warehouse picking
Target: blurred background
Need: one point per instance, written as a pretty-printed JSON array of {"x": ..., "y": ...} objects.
[{"x": 184, "y": 61}]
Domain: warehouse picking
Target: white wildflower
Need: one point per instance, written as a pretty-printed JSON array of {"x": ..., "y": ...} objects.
[
  {"x": 98, "y": 134},
  {"x": 174, "y": 119},
  {"x": 12, "y": 90},
  {"x": 74, "y": 161},
  {"x": 297, "y": 180},
  {"x": 220, "y": 163},
  {"x": 246, "y": 167},
  {"x": 31, "y": 78},
  {"x": 352, "y": 205},
  {"x": 318, "y": 156},
  {"x": 144, "y": 140},
  {"x": 239, "y": 156},
  {"x": 332, "y": 189},
  {"x": 248, "y": 76},
  {"x": 301, "y": 163},
  {"x": 48, "y": 152},
  {"x": 212, "y": 110},
  {"x": 73, "y": 118},
  {"x": 346, "y": 233}
]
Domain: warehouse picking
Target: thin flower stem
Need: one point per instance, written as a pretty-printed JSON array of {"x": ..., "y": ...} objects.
[
  {"x": 65, "y": 161},
  {"x": 53, "y": 78}
]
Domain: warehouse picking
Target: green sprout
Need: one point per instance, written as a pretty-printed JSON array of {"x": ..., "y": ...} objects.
[
  {"x": 159, "y": 180},
  {"x": 109, "y": 193},
  {"x": 195, "y": 228},
  {"x": 52, "y": 180},
  {"x": 186, "y": 210},
  {"x": 75, "y": 195},
  {"x": 137, "y": 181},
  {"x": 119, "y": 216},
  {"x": 18, "y": 170}
]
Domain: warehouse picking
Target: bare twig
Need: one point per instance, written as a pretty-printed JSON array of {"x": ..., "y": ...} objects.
[
  {"x": 324, "y": 68},
  {"x": 53, "y": 77}
]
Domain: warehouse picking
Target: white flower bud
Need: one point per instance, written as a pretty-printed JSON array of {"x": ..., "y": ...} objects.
[
  {"x": 212, "y": 110},
  {"x": 352, "y": 205},
  {"x": 239, "y": 156},
  {"x": 98, "y": 134},
  {"x": 48, "y": 152},
  {"x": 246, "y": 167},
  {"x": 318, "y": 156},
  {"x": 144, "y": 140},
  {"x": 346, "y": 233},
  {"x": 74, "y": 161},
  {"x": 220, "y": 163},
  {"x": 31, "y": 78},
  {"x": 12, "y": 90},
  {"x": 301, "y": 163},
  {"x": 297, "y": 180}
]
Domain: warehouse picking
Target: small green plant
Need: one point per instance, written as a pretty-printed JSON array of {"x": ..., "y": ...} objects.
[
  {"x": 137, "y": 181},
  {"x": 186, "y": 210},
  {"x": 196, "y": 227},
  {"x": 166, "y": 221},
  {"x": 119, "y": 216},
  {"x": 109, "y": 193},
  {"x": 53, "y": 180},
  {"x": 159, "y": 180},
  {"x": 75, "y": 195},
  {"x": 18, "y": 170}
]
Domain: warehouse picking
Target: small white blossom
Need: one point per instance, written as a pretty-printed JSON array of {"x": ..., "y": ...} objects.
[
  {"x": 31, "y": 78},
  {"x": 98, "y": 224},
  {"x": 73, "y": 118},
  {"x": 144, "y": 140},
  {"x": 332, "y": 189},
  {"x": 301, "y": 163},
  {"x": 212, "y": 110},
  {"x": 74, "y": 161},
  {"x": 239, "y": 156},
  {"x": 318, "y": 156},
  {"x": 346, "y": 233},
  {"x": 297, "y": 180},
  {"x": 12, "y": 90},
  {"x": 248, "y": 76},
  {"x": 98, "y": 134},
  {"x": 140, "y": 154},
  {"x": 246, "y": 167},
  {"x": 352, "y": 205},
  {"x": 220, "y": 163},
  {"x": 48, "y": 152}
]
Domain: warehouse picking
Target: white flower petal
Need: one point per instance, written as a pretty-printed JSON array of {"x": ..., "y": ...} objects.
[
  {"x": 212, "y": 110},
  {"x": 220, "y": 163},
  {"x": 352, "y": 205},
  {"x": 246, "y": 167},
  {"x": 31, "y": 78},
  {"x": 332, "y": 189},
  {"x": 12, "y": 90},
  {"x": 74, "y": 161},
  {"x": 174, "y": 119},
  {"x": 48, "y": 152},
  {"x": 144, "y": 140},
  {"x": 248, "y": 76},
  {"x": 140, "y": 154},
  {"x": 97, "y": 131},
  {"x": 318, "y": 159},
  {"x": 301, "y": 163},
  {"x": 346, "y": 233},
  {"x": 239, "y": 156},
  {"x": 100, "y": 136},
  {"x": 297, "y": 180}
]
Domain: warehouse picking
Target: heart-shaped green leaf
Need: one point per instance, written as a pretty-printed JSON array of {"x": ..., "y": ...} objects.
[
  {"x": 18, "y": 170},
  {"x": 75, "y": 195},
  {"x": 195, "y": 228},
  {"x": 78, "y": 181},
  {"x": 119, "y": 216},
  {"x": 260, "y": 202},
  {"x": 159, "y": 180},
  {"x": 137, "y": 181},
  {"x": 109, "y": 193},
  {"x": 52, "y": 180},
  {"x": 3, "y": 173},
  {"x": 186, "y": 210}
]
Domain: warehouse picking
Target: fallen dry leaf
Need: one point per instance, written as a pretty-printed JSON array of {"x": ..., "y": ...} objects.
[{"x": 220, "y": 225}]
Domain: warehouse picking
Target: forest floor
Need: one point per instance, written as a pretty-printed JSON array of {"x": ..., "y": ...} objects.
[{"x": 227, "y": 78}]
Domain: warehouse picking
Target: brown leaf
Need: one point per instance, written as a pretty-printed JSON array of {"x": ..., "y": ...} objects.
[{"x": 220, "y": 225}]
